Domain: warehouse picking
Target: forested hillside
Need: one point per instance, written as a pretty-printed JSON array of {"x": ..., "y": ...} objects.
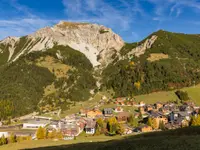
[
  {"x": 171, "y": 62},
  {"x": 22, "y": 82},
  {"x": 56, "y": 77}
]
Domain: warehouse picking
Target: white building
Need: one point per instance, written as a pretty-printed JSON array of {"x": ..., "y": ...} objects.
[
  {"x": 90, "y": 127},
  {"x": 35, "y": 123},
  {"x": 6, "y": 134}
]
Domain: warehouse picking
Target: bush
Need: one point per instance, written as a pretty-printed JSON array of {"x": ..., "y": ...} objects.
[{"x": 183, "y": 96}]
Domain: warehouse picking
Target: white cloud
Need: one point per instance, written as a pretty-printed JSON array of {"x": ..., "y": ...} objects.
[
  {"x": 99, "y": 11},
  {"x": 169, "y": 7},
  {"x": 21, "y": 27}
]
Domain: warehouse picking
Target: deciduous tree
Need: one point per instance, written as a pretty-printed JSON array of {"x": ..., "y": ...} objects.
[{"x": 41, "y": 133}]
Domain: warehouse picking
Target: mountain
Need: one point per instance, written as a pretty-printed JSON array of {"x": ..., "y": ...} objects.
[
  {"x": 57, "y": 66},
  {"x": 162, "y": 61},
  {"x": 90, "y": 39}
]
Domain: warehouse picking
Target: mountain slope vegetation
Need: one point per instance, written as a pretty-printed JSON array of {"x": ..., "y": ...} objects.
[
  {"x": 54, "y": 78},
  {"x": 22, "y": 82},
  {"x": 137, "y": 75}
]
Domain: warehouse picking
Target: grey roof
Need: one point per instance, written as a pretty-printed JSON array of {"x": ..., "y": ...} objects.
[
  {"x": 142, "y": 126},
  {"x": 90, "y": 124},
  {"x": 36, "y": 121},
  {"x": 155, "y": 114},
  {"x": 179, "y": 120},
  {"x": 108, "y": 109},
  {"x": 183, "y": 113}
]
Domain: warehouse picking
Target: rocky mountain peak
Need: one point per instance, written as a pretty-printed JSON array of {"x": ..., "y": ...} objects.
[{"x": 97, "y": 42}]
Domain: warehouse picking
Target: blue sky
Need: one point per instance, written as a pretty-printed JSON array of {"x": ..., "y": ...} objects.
[{"x": 131, "y": 19}]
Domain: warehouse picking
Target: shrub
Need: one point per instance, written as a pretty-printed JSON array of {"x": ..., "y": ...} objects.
[{"x": 183, "y": 96}]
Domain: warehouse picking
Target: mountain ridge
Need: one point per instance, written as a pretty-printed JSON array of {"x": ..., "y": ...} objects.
[
  {"x": 91, "y": 39},
  {"x": 49, "y": 75}
]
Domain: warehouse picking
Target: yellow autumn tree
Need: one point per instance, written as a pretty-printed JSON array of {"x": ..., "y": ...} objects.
[
  {"x": 195, "y": 120},
  {"x": 132, "y": 63},
  {"x": 152, "y": 122},
  {"x": 112, "y": 125},
  {"x": 120, "y": 129},
  {"x": 137, "y": 85},
  {"x": 41, "y": 133},
  {"x": 59, "y": 135},
  {"x": 100, "y": 126}
]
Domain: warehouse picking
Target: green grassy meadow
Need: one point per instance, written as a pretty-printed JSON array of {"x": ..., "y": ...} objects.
[
  {"x": 193, "y": 92},
  {"x": 179, "y": 139}
]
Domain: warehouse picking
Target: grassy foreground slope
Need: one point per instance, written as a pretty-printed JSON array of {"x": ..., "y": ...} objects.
[{"x": 180, "y": 139}]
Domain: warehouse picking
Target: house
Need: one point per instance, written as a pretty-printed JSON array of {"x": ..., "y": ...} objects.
[
  {"x": 144, "y": 128},
  {"x": 22, "y": 133},
  {"x": 118, "y": 109},
  {"x": 122, "y": 103},
  {"x": 174, "y": 115},
  {"x": 142, "y": 110},
  {"x": 158, "y": 117},
  {"x": 90, "y": 127},
  {"x": 104, "y": 97},
  {"x": 127, "y": 129},
  {"x": 35, "y": 123},
  {"x": 132, "y": 103},
  {"x": 128, "y": 103},
  {"x": 123, "y": 116},
  {"x": 186, "y": 108},
  {"x": 116, "y": 102},
  {"x": 5, "y": 134},
  {"x": 170, "y": 126},
  {"x": 94, "y": 113},
  {"x": 108, "y": 112},
  {"x": 158, "y": 105},
  {"x": 182, "y": 122},
  {"x": 70, "y": 131},
  {"x": 53, "y": 125},
  {"x": 42, "y": 118},
  {"x": 189, "y": 103},
  {"x": 149, "y": 108},
  {"x": 141, "y": 104},
  {"x": 184, "y": 115},
  {"x": 83, "y": 112},
  {"x": 165, "y": 110}
]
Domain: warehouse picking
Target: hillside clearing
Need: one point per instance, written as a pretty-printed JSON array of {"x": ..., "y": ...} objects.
[
  {"x": 57, "y": 68},
  {"x": 157, "y": 56},
  {"x": 193, "y": 92}
]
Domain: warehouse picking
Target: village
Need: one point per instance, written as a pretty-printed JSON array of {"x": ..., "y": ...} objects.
[{"x": 108, "y": 121}]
